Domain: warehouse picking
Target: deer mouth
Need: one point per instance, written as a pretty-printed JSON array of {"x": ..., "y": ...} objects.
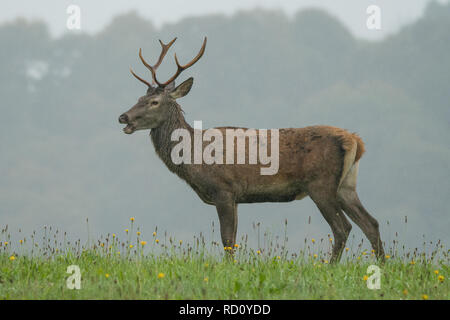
[{"x": 129, "y": 129}]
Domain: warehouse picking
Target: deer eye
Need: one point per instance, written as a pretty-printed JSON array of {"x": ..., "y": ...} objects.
[{"x": 154, "y": 103}]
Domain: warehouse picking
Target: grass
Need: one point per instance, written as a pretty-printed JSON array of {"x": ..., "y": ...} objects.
[{"x": 168, "y": 269}]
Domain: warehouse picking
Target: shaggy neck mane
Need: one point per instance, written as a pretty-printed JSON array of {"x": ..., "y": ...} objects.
[{"x": 161, "y": 138}]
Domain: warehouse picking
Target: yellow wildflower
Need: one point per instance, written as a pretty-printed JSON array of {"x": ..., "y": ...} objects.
[
  {"x": 12, "y": 258},
  {"x": 126, "y": 230},
  {"x": 313, "y": 240},
  {"x": 236, "y": 245},
  {"x": 315, "y": 256},
  {"x": 157, "y": 241},
  {"x": 258, "y": 252},
  {"x": 107, "y": 275},
  {"x": 436, "y": 271},
  {"x": 143, "y": 243},
  {"x": 206, "y": 279},
  {"x": 412, "y": 262},
  {"x": 346, "y": 249},
  {"x": 405, "y": 292},
  {"x": 161, "y": 275},
  {"x": 181, "y": 242},
  {"x": 138, "y": 233},
  {"x": 114, "y": 235},
  {"x": 365, "y": 278},
  {"x": 424, "y": 297},
  {"x": 21, "y": 241},
  {"x": 131, "y": 246},
  {"x": 132, "y": 219},
  {"x": 154, "y": 234},
  {"x": 441, "y": 278},
  {"x": 387, "y": 256}
]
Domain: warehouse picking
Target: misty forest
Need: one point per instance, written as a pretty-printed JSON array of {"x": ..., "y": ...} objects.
[{"x": 64, "y": 157}]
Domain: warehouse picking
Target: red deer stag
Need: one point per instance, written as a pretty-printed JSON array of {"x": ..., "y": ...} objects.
[{"x": 317, "y": 161}]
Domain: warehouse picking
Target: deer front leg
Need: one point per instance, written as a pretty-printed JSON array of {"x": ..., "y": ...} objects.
[{"x": 227, "y": 211}]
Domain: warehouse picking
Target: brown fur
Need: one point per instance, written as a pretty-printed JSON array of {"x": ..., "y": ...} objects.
[{"x": 305, "y": 155}]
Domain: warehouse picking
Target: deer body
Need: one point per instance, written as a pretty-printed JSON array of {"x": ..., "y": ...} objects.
[{"x": 318, "y": 161}]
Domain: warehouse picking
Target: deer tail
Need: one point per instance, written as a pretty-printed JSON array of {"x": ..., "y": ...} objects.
[{"x": 353, "y": 147}]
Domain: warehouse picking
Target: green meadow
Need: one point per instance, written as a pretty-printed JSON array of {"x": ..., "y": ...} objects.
[{"x": 158, "y": 266}]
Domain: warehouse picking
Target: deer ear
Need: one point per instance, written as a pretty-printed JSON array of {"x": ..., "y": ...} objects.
[{"x": 183, "y": 89}]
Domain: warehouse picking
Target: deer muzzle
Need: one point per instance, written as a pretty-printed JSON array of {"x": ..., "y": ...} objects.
[{"x": 125, "y": 120}]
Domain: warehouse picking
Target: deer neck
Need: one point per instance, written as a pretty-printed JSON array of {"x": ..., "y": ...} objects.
[{"x": 161, "y": 138}]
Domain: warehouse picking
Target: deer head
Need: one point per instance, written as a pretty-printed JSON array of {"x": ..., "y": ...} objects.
[{"x": 152, "y": 109}]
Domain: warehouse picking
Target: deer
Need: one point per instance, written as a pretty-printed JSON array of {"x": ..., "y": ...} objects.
[{"x": 316, "y": 161}]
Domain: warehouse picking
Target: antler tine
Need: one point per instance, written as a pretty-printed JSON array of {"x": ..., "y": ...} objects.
[
  {"x": 140, "y": 79},
  {"x": 181, "y": 68},
  {"x": 164, "y": 50}
]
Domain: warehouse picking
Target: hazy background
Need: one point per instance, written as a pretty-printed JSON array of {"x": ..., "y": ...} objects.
[
  {"x": 64, "y": 157},
  {"x": 99, "y": 13}
]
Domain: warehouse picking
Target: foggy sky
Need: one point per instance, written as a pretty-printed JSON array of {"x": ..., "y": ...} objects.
[{"x": 96, "y": 14}]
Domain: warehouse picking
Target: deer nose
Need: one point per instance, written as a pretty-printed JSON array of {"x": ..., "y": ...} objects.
[{"x": 123, "y": 118}]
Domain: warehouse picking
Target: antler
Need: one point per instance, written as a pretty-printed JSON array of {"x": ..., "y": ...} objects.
[
  {"x": 182, "y": 68},
  {"x": 140, "y": 79},
  {"x": 165, "y": 49}
]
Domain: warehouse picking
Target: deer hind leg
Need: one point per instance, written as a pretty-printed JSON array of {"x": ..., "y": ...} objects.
[
  {"x": 328, "y": 205},
  {"x": 350, "y": 203},
  {"x": 227, "y": 211}
]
